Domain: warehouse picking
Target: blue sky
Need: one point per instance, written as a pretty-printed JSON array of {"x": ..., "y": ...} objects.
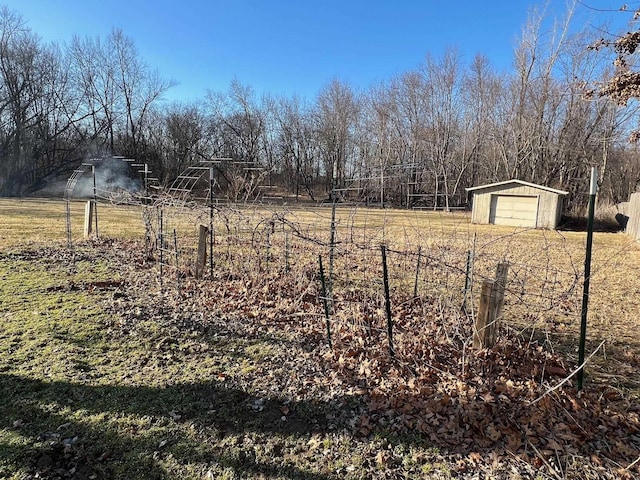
[{"x": 292, "y": 47}]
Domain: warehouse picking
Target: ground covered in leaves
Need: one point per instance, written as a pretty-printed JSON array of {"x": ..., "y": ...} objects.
[{"x": 104, "y": 373}]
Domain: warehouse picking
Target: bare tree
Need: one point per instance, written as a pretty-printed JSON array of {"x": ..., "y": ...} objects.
[
  {"x": 239, "y": 121},
  {"x": 95, "y": 79},
  {"x": 336, "y": 115},
  {"x": 378, "y": 147},
  {"x": 481, "y": 125},
  {"x": 443, "y": 81},
  {"x": 184, "y": 133},
  {"x": 552, "y": 133},
  {"x": 296, "y": 145},
  {"x": 118, "y": 89},
  {"x": 56, "y": 117},
  {"x": 27, "y": 73},
  {"x": 139, "y": 87}
]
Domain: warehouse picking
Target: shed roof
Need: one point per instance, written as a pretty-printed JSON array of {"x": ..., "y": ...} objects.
[{"x": 520, "y": 182}]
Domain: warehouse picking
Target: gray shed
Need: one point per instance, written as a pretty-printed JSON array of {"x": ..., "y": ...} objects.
[{"x": 517, "y": 203}]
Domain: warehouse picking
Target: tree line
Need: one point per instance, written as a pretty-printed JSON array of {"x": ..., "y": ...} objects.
[{"x": 417, "y": 139}]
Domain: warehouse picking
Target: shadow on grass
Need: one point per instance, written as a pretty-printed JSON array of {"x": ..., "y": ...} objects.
[
  {"x": 78, "y": 428},
  {"x": 579, "y": 224}
]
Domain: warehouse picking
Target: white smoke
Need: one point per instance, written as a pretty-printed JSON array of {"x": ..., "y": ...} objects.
[{"x": 112, "y": 175}]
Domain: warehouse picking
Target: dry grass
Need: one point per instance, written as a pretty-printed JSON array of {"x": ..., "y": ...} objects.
[
  {"x": 615, "y": 286},
  {"x": 44, "y": 220}
]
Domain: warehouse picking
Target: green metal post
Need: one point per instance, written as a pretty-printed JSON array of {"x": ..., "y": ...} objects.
[
  {"x": 467, "y": 282},
  {"x": 161, "y": 246},
  {"x": 387, "y": 298},
  {"x": 415, "y": 284},
  {"x": 68, "y": 212},
  {"x": 286, "y": 252},
  {"x": 332, "y": 245},
  {"x": 95, "y": 198},
  {"x": 325, "y": 300},
  {"x": 211, "y": 222},
  {"x": 587, "y": 275},
  {"x": 175, "y": 246}
]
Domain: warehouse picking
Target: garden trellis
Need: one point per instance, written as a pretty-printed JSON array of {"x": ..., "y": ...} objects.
[
  {"x": 427, "y": 279},
  {"x": 385, "y": 280},
  {"x": 107, "y": 188}
]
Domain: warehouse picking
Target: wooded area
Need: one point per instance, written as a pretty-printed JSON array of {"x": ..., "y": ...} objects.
[{"x": 417, "y": 139}]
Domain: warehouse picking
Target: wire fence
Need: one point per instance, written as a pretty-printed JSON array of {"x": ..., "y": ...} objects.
[{"x": 386, "y": 281}]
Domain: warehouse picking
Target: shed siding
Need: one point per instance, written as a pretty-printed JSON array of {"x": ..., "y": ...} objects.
[
  {"x": 633, "y": 225},
  {"x": 549, "y": 204}
]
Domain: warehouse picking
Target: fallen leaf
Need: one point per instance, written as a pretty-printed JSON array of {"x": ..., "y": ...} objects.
[{"x": 381, "y": 458}]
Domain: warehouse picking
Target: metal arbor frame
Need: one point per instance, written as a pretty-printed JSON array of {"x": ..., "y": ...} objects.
[
  {"x": 68, "y": 190},
  {"x": 184, "y": 185},
  {"x": 90, "y": 165}
]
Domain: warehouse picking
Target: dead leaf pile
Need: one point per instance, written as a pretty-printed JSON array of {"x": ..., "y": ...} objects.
[{"x": 434, "y": 384}]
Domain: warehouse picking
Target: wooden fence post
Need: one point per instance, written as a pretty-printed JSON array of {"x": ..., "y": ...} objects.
[
  {"x": 202, "y": 250},
  {"x": 88, "y": 218},
  {"x": 490, "y": 309},
  {"x": 485, "y": 322}
]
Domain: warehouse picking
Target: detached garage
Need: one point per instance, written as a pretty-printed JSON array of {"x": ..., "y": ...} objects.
[{"x": 517, "y": 203}]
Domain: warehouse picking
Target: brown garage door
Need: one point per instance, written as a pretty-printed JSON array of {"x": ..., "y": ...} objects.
[{"x": 514, "y": 210}]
